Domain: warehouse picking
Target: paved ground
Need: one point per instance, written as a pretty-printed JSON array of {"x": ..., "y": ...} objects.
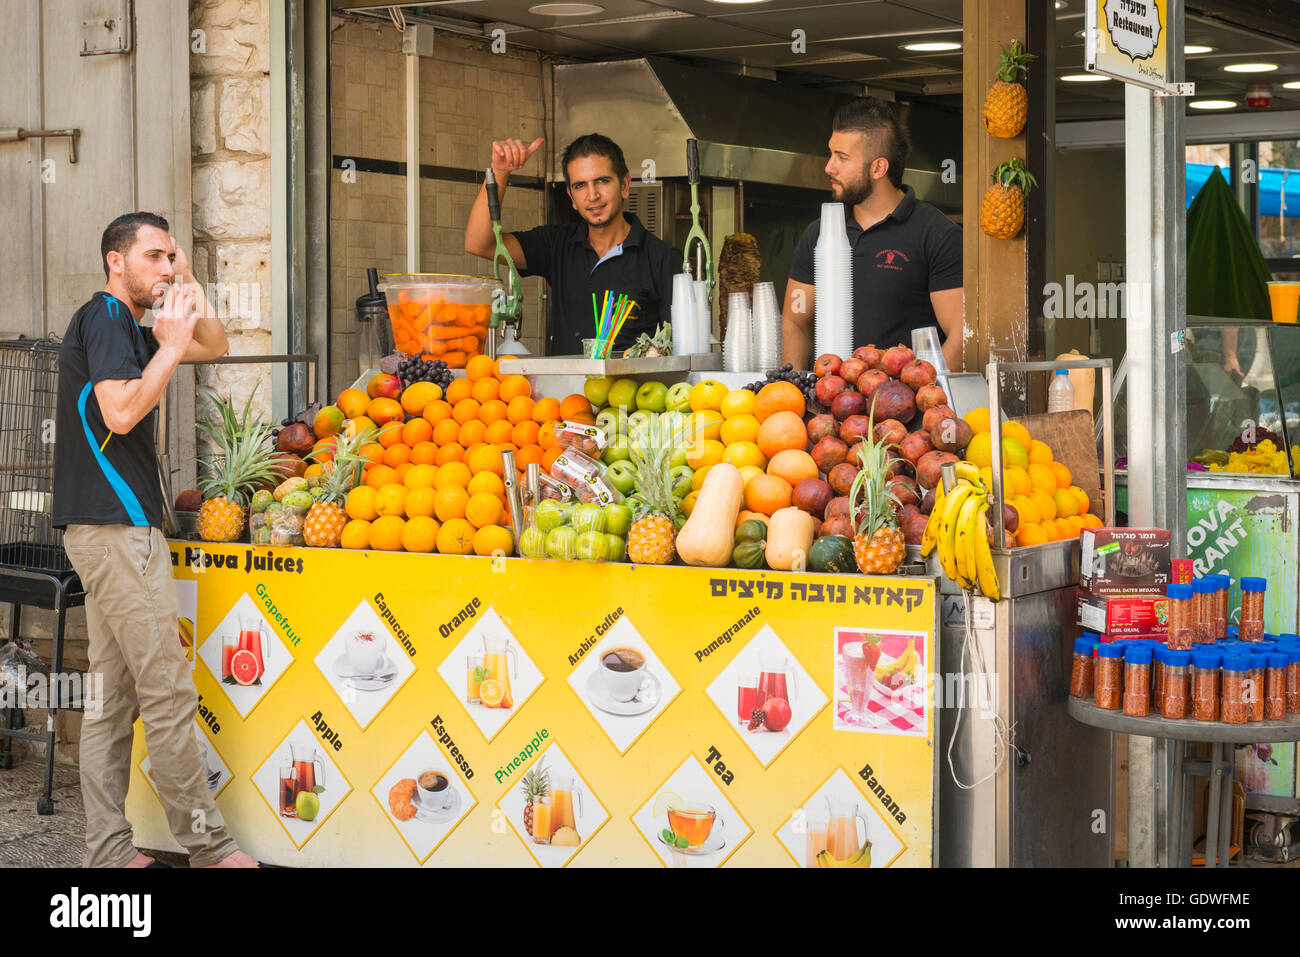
[{"x": 28, "y": 839}]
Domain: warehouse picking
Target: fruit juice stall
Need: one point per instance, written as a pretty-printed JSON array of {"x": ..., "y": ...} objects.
[{"x": 374, "y": 604}]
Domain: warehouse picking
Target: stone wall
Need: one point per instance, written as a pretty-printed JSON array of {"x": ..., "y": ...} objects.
[
  {"x": 230, "y": 107},
  {"x": 468, "y": 97}
]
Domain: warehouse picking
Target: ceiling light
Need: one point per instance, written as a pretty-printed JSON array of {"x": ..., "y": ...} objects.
[
  {"x": 1192, "y": 49},
  {"x": 1250, "y": 67},
  {"x": 932, "y": 46},
  {"x": 1212, "y": 104},
  {"x": 566, "y": 9},
  {"x": 1292, "y": 85},
  {"x": 1084, "y": 78}
]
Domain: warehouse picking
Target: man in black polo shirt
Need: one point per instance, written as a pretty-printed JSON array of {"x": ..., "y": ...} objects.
[
  {"x": 906, "y": 254},
  {"x": 609, "y": 251}
]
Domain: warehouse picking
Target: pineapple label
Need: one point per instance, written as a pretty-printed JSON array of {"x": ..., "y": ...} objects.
[
  {"x": 714, "y": 760},
  {"x": 327, "y": 734},
  {"x": 523, "y": 756},
  {"x": 596, "y": 635},
  {"x": 397, "y": 629},
  {"x": 445, "y": 739}
]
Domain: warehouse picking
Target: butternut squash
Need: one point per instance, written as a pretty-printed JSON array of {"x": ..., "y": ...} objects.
[
  {"x": 789, "y": 536},
  {"x": 706, "y": 538}
]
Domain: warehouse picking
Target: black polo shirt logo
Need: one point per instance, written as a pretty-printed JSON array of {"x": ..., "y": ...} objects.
[{"x": 886, "y": 259}]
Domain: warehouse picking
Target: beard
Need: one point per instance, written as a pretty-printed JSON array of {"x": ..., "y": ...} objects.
[
  {"x": 140, "y": 290},
  {"x": 851, "y": 194}
]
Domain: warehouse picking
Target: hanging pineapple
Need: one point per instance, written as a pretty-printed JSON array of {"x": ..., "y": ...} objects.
[
  {"x": 1006, "y": 106},
  {"x": 652, "y": 539},
  {"x": 878, "y": 546},
  {"x": 326, "y": 518},
  {"x": 1002, "y": 211},
  {"x": 242, "y": 463}
]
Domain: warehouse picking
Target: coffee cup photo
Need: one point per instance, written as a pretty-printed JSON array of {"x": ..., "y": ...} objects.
[
  {"x": 434, "y": 790},
  {"x": 364, "y": 650},
  {"x": 622, "y": 671}
]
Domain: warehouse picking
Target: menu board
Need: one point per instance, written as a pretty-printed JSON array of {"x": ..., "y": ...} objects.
[{"x": 370, "y": 708}]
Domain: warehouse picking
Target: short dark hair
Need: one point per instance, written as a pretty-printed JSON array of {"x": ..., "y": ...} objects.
[
  {"x": 594, "y": 144},
  {"x": 120, "y": 234},
  {"x": 885, "y": 123}
]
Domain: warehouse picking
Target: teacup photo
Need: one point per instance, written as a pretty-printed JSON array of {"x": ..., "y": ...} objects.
[
  {"x": 622, "y": 671},
  {"x": 364, "y": 649},
  {"x": 434, "y": 789}
]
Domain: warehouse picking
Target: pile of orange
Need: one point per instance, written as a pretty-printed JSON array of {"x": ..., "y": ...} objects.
[{"x": 435, "y": 479}]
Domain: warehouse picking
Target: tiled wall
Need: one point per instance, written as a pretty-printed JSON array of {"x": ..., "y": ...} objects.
[{"x": 468, "y": 97}]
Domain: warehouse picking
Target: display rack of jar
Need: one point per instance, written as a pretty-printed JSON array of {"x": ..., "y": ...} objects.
[{"x": 1229, "y": 681}]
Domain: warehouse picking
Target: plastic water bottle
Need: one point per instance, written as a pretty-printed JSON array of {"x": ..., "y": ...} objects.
[{"x": 1060, "y": 394}]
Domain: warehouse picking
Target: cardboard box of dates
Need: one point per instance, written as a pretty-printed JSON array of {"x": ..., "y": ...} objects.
[{"x": 1124, "y": 561}]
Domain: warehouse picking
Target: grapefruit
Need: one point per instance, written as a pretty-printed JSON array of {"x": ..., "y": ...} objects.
[{"x": 244, "y": 668}]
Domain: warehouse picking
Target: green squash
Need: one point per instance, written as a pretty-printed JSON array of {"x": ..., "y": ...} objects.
[
  {"x": 751, "y": 530},
  {"x": 832, "y": 553},
  {"x": 750, "y": 554}
]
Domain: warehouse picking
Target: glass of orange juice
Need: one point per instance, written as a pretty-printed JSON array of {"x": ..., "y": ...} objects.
[
  {"x": 474, "y": 675},
  {"x": 1285, "y": 300}
]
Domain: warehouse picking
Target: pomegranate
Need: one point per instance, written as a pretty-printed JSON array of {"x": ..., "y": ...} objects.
[
  {"x": 890, "y": 431},
  {"x": 936, "y": 414},
  {"x": 917, "y": 374},
  {"x": 776, "y": 713},
  {"x": 893, "y": 400},
  {"x": 855, "y": 427},
  {"x": 829, "y": 452},
  {"x": 928, "y": 396},
  {"x": 914, "y": 528},
  {"x": 870, "y": 355},
  {"x": 927, "y": 467},
  {"x": 951, "y": 435},
  {"x": 842, "y": 476},
  {"x": 916, "y": 444},
  {"x": 829, "y": 388},
  {"x": 295, "y": 438},
  {"x": 828, "y": 364},
  {"x": 851, "y": 369},
  {"x": 847, "y": 404},
  {"x": 870, "y": 381},
  {"x": 820, "y": 426},
  {"x": 905, "y": 490},
  {"x": 895, "y": 358}
]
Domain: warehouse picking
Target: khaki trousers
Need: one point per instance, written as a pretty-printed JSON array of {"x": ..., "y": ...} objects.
[{"x": 131, "y": 612}]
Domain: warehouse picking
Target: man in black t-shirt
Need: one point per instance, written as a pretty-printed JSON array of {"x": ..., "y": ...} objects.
[
  {"x": 108, "y": 500},
  {"x": 609, "y": 251},
  {"x": 906, "y": 255}
]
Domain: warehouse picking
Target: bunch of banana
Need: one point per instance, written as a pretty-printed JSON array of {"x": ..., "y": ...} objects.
[
  {"x": 958, "y": 530},
  {"x": 905, "y": 663},
  {"x": 859, "y": 858}
]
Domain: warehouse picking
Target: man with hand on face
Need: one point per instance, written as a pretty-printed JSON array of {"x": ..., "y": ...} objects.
[
  {"x": 609, "y": 251},
  {"x": 906, "y": 255},
  {"x": 108, "y": 500}
]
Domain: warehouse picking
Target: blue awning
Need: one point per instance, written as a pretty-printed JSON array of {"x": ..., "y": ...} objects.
[{"x": 1275, "y": 185}]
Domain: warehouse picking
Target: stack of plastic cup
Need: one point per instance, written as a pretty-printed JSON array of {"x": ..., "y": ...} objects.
[
  {"x": 703, "y": 318},
  {"x": 767, "y": 328},
  {"x": 738, "y": 349},
  {"x": 833, "y": 276},
  {"x": 685, "y": 320},
  {"x": 925, "y": 343}
]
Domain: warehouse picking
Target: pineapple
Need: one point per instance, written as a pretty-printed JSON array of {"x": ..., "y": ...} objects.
[
  {"x": 1006, "y": 107},
  {"x": 242, "y": 463},
  {"x": 326, "y": 518},
  {"x": 1002, "y": 212},
  {"x": 878, "y": 546},
  {"x": 657, "y": 511},
  {"x": 536, "y": 784}
]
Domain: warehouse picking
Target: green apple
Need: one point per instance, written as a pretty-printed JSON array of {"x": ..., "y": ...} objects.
[
  {"x": 678, "y": 458},
  {"x": 609, "y": 421},
  {"x": 593, "y": 546},
  {"x": 589, "y": 518},
  {"x": 619, "y": 450},
  {"x": 618, "y": 518},
  {"x": 617, "y": 548},
  {"x": 682, "y": 477},
  {"x": 532, "y": 543},
  {"x": 562, "y": 542},
  {"x": 596, "y": 389},
  {"x": 652, "y": 396},
  {"x": 639, "y": 419},
  {"x": 307, "y": 805},
  {"x": 679, "y": 397},
  {"x": 622, "y": 394},
  {"x": 622, "y": 476},
  {"x": 549, "y": 515}
]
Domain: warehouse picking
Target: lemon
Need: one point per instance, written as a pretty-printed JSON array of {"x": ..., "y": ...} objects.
[
  {"x": 664, "y": 801},
  {"x": 1013, "y": 453},
  {"x": 978, "y": 420},
  {"x": 980, "y": 450}
]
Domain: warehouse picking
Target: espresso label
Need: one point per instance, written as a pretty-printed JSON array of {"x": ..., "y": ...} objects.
[
  {"x": 449, "y": 745},
  {"x": 327, "y": 734}
]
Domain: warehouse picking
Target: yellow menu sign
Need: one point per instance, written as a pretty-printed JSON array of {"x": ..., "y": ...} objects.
[
  {"x": 388, "y": 709},
  {"x": 1128, "y": 40}
]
